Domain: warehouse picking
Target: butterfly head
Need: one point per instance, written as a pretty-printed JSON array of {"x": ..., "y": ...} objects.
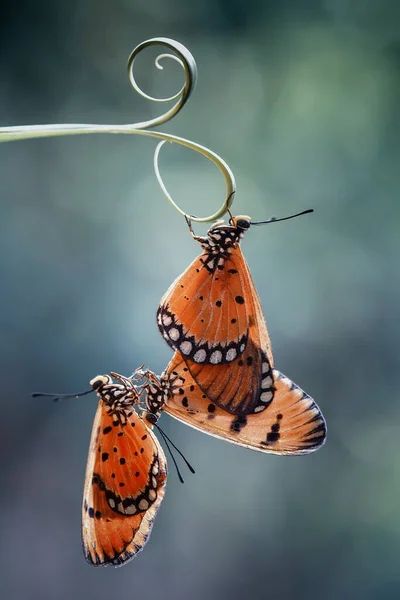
[
  {"x": 116, "y": 396},
  {"x": 99, "y": 381},
  {"x": 241, "y": 222}
]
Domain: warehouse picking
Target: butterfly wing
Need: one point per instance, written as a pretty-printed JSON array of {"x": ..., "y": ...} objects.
[
  {"x": 291, "y": 424},
  {"x": 209, "y": 315},
  {"x": 214, "y": 317},
  {"x": 124, "y": 486},
  {"x": 258, "y": 328},
  {"x": 243, "y": 386}
]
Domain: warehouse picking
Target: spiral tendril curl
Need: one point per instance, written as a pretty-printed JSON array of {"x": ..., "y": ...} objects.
[
  {"x": 185, "y": 59},
  {"x": 159, "y": 66}
]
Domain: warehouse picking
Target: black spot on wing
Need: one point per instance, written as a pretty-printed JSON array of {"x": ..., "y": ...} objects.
[
  {"x": 238, "y": 424},
  {"x": 272, "y": 437}
]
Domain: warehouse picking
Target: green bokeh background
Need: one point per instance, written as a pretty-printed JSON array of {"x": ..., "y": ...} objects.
[{"x": 301, "y": 98}]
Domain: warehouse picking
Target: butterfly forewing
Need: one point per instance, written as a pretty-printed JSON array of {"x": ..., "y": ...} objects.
[
  {"x": 291, "y": 424},
  {"x": 124, "y": 485},
  {"x": 203, "y": 313}
]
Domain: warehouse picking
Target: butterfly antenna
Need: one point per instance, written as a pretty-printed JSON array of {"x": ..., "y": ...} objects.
[
  {"x": 57, "y": 397},
  {"x": 189, "y": 466},
  {"x": 166, "y": 440},
  {"x": 172, "y": 456},
  {"x": 275, "y": 220}
]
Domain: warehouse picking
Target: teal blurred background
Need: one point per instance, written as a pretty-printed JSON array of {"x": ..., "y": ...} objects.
[{"x": 301, "y": 98}]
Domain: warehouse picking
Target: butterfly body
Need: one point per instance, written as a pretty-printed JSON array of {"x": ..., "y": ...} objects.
[
  {"x": 212, "y": 315},
  {"x": 125, "y": 477}
]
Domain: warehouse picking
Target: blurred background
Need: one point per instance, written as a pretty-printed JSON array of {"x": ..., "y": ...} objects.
[{"x": 301, "y": 98}]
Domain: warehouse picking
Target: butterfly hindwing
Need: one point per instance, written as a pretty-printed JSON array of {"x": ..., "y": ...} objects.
[
  {"x": 124, "y": 485},
  {"x": 291, "y": 424},
  {"x": 242, "y": 387}
]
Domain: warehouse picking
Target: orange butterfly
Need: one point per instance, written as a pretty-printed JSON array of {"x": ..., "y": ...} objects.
[
  {"x": 126, "y": 475},
  {"x": 291, "y": 424},
  {"x": 212, "y": 315}
]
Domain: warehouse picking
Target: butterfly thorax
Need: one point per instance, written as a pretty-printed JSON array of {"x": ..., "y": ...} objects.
[
  {"x": 118, "y": 398},
  {"x": 220, "y": 241},
  {"x": 155, "y": 400},
  {"x": 159, "y": 391}
]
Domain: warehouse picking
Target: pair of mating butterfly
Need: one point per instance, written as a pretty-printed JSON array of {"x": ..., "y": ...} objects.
[{"x": 221, "y": 380}]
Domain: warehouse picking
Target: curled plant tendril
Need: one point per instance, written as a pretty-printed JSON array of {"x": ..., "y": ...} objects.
[
  {"x": 185, "y": 59},
  {"x": 159, "y": 66},
  {"x": 223, "y": 167}
]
